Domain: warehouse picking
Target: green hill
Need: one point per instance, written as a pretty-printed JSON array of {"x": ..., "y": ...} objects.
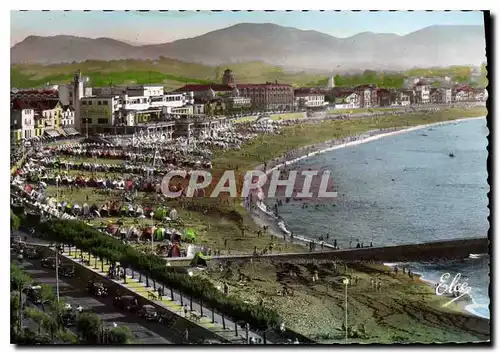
[
  {"x": 175, "y": 73},
  {"x": 171, "y": 73}
]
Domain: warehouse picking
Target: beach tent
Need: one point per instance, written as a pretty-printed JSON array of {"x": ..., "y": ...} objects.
[
  {"x": 139, "y": 211},
  {"x": 104, "y": 211},
  {"x": 52, "y": 202},
  {"x": 28, "y": 189},
  {"x": 174, "y": 251},
  {"x": 189, "y": 236},
  {"x": 111, "y": 228},
  {"x": 147, "y": 232},
  {"x": 176, "y": 236},
  {"x": 132, "y": 233},
  {"x": 199, "y": 260},
  {"x": 123, "y": 210},
  {"x": 173, "y": 214},
  {"x": 160, "y": 213},
  {"x": 159, "y": 234}
]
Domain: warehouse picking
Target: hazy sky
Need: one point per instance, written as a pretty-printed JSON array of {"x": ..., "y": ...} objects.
[{"x": 158, "y": 27}]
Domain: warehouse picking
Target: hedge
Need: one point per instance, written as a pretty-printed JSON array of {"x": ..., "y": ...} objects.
[{"x": 90, "y": 240}]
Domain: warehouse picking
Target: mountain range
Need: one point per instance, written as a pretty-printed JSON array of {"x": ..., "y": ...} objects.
[{"x": 290, "y": 48}]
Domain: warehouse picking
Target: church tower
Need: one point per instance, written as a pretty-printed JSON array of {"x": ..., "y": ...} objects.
[
  {"x": 76, "y": 95},
  {"x": 228, "y": 78}
]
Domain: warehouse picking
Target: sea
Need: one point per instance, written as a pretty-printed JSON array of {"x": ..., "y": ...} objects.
[{"x": 424, "y": 185}]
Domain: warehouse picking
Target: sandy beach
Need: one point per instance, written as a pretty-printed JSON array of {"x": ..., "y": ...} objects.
[{"x": 263, "y": 217}]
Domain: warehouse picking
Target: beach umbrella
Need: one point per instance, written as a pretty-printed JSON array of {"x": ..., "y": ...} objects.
[
  {"x": 158, "y": 234},
  {"x": 173, "y": 214}
]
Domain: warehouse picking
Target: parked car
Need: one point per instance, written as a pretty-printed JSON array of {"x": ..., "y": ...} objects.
[
  {"x": 33, "y": 253},
  {"x": 50, "y": 262},
  {"x": 96, "y": 288},
  {"x": 67, "y": 270},
  {"x": 148, "y": 312},
  {"x": 126, "y": 302}
]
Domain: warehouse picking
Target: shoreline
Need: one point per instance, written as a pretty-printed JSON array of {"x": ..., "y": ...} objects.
[
  {"x": 320, "y": 148},
  {"x": 277, "y": 226}
]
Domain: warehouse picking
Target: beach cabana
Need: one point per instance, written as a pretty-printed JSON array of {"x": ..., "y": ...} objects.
[
  {"x": 174, "y": 251},
  {"x": 85, "y": 209},
  {"x": 189, "y": 236},
  {"x": 160, "y": 213},
  {"x": 123, "y": 210},
  {"x": 147, "y": 232},
  {"x": 104, "y": 211},
  {"x": 111, "y": 228},
  {"x": 176, "y": 236},
  {"x": 199, "y": 260},
  {"x": 159, "y": 234},
  {"x": 173, "y": 214}
]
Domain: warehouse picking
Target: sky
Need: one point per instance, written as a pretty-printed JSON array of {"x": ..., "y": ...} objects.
[{"x": 160, "y": 27}]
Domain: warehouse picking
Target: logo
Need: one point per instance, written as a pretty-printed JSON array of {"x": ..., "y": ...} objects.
[
  {"x": 301, "y": 185},
  {"x": 456, "y": 289}
]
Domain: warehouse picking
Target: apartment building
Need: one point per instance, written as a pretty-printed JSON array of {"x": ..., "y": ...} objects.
[
  {"x": 22, "y": 120},
  {"x": 422, "y": 92},
  {"x": 309, "y": 98}
]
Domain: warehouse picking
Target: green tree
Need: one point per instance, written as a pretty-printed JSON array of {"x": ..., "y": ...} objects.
[
  {"x": 120, "y": 335},
  {"x": 14, "y": 221},
  {"x": 88, "y": 326}
]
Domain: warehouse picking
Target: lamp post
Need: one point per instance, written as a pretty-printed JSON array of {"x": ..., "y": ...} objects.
[
  {"x": 346, "y": 283},
  {"x": 190, "y": 273}
]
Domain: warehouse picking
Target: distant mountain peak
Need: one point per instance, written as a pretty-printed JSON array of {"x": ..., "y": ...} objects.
[{"x": 288, "y": 47}]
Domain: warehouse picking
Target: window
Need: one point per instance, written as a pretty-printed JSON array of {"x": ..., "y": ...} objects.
[
  {"x": 105, "y": 103},
  {"x": 102, "y": 121},
  {"x": 99, "y": 103},
  {"x": 87, "y": 120}
]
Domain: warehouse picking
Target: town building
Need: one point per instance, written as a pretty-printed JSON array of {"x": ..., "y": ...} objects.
[
  {"x": 402, "y": 97},
  {"x": 269, "y": 96},
  {"x": 347, "y": 100},
  {"x": 384, "y": 97},
  {"x": 462, "y": 93},
  {"x": 46, "y": 117},
  {"x": 367, "y": 95},
  {"x": 22, "y": 120},
  {"x": 306, "y": 98},
  {"x": 422, "y": 92},
  {"x": 440, "y": 95},
  {"x": 265, "y": 97}
]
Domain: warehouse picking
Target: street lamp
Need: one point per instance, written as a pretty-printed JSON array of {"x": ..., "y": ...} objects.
[
  {"x": 190, "y": 273},
  {"x": 346, "y": 283}
]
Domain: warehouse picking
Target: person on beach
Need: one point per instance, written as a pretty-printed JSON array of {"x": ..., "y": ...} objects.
[
  {"x": 350, "y": 244},
  {"x": 335, "y": 243},
  {"x": 358, "y": 245},
  {"x": 372, "y": 283}
]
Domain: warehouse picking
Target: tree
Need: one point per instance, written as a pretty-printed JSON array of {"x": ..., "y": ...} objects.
[
  {"x": 88, "y": 327},
  {"x": 120, "y": 335},
  {"x": 14, "y": 221}
]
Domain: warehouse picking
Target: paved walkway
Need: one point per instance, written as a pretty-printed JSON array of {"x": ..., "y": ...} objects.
[{"x": 167, "y": 302}]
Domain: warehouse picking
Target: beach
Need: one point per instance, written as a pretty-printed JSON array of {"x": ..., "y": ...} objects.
[
  {"x": 263, "y": 217},
  {"x": 261, "y": 214}
]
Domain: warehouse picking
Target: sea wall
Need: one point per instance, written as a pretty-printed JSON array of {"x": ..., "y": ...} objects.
[{"x": 431, "y": 251}]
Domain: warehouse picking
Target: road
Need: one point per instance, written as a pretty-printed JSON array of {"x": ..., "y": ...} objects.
[{"x": 72, "y": 291}]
